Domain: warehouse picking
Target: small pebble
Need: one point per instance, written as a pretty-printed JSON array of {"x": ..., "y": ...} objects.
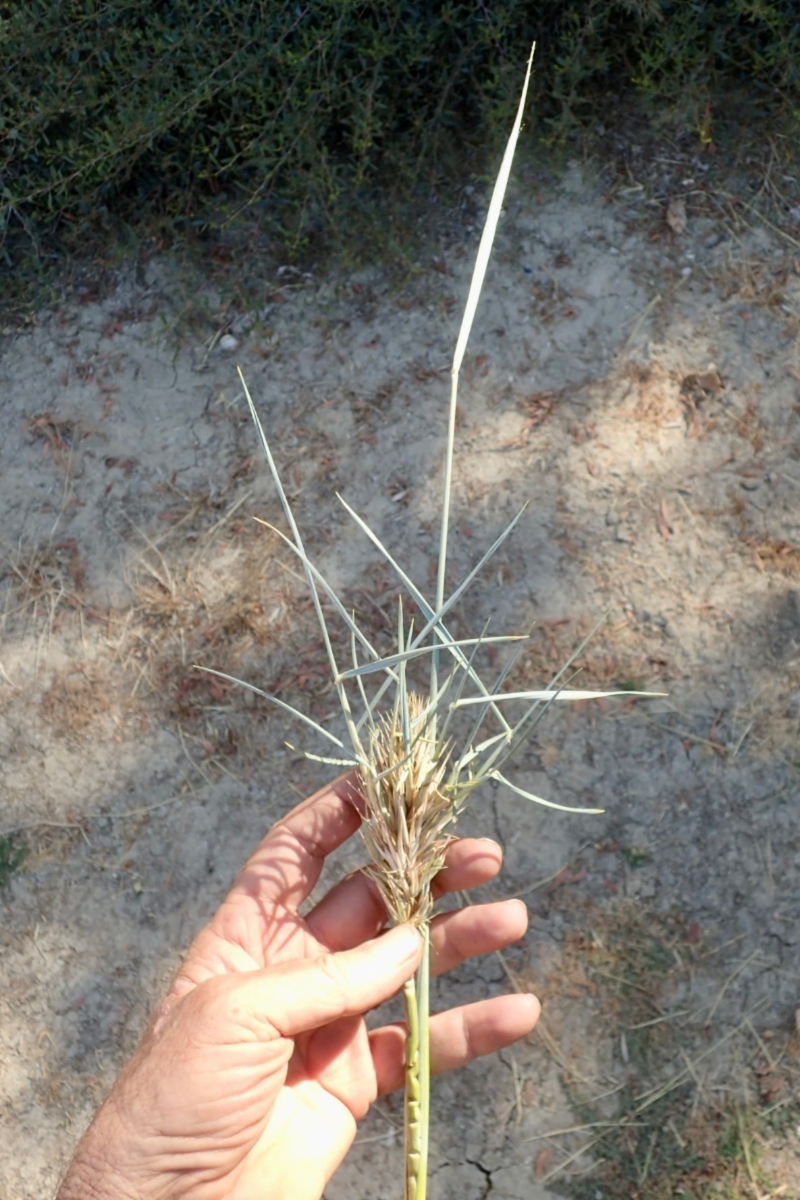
[{"x": 228, "y": 343}]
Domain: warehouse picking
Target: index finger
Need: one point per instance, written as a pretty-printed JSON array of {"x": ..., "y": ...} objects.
[{"x": 288, "y": 862}]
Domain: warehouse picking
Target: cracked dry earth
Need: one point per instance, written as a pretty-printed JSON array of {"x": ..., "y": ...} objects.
[{"x": 638, "y": 385}]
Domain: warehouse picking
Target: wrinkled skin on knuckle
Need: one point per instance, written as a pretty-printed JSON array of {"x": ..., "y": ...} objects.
[{"x": 330, "y": 967}]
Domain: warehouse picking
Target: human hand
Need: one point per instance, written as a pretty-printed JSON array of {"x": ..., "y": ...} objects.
[{"x": 257, "y": 1065}]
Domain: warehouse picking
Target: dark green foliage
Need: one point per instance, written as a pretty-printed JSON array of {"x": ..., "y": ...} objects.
[
  {"x": 158, "y": 102},
  {"x": 12, "y": 855},
  {"x": 290, "y": 100}
]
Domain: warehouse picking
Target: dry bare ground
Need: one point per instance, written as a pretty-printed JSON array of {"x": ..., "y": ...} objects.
[{"x": 634, "y": 375}]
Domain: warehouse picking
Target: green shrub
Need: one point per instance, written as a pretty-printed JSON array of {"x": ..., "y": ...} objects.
[{"x": 105, "y": 102}]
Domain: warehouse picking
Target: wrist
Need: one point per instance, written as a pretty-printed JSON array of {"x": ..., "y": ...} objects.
[{"x": 97, "y": 1172}]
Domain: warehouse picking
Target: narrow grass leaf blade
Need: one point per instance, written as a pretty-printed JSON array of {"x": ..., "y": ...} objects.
[
  {"x": 498, "y": 683},
  {"x": 567, "y": 694},
  {"x": 251, "y": 687},
  {"x": 490, "y": 228},
  {"x": 362, "y": 691},
  {"x": 392, "y": 660},
  {"x": 455, "y": 596},
  {"x": 473, "y": 296},
  {"x": 287, "y": 508},
  {"x": 538, "y": 799},
  {"x": 320, "y": 758},
  {"x": 326, "y": 587},
  {"x": 467, "y": 673},
  {"x": 435, "y": 618}
]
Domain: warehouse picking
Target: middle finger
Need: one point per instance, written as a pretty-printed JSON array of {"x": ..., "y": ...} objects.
[{"x": 476, "y": 929}]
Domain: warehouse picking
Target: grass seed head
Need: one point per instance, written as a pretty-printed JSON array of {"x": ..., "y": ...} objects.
[{"x": 407, "y": 810}]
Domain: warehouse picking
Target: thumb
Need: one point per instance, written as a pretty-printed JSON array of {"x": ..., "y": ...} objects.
[{"x": 295, "y": 997}]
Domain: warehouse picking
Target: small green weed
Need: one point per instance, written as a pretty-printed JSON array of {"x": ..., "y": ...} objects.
[
  {"x": 635, "y": 856},
  {"x": 13, "y": 853},
  {"x": 636, "y": 683}
]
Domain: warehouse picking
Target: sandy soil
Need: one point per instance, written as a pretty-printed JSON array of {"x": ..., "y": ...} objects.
[{"x": 634, "y": 375}]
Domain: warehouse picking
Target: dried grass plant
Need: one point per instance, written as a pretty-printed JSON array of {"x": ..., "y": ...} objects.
[{"x": 415, "y": 773}]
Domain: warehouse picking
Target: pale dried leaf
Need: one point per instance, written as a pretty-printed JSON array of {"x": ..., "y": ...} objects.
[{"x": 676, "y": 215}]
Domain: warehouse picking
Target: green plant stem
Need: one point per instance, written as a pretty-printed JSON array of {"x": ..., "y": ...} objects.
[{"x": 416, "y": 996}]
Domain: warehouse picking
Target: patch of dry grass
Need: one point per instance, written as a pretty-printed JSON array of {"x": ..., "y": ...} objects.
[
  {"x": 664, "y": 1110},
  {"x": 41, "y": 583},
  {"x": 617, "y": 657},
  {"x": 77, "y": 700},
  {"x": 752, "y": 280},
  {"x": 213, "y": 588},
  {"x": 778, "y": 554}
]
